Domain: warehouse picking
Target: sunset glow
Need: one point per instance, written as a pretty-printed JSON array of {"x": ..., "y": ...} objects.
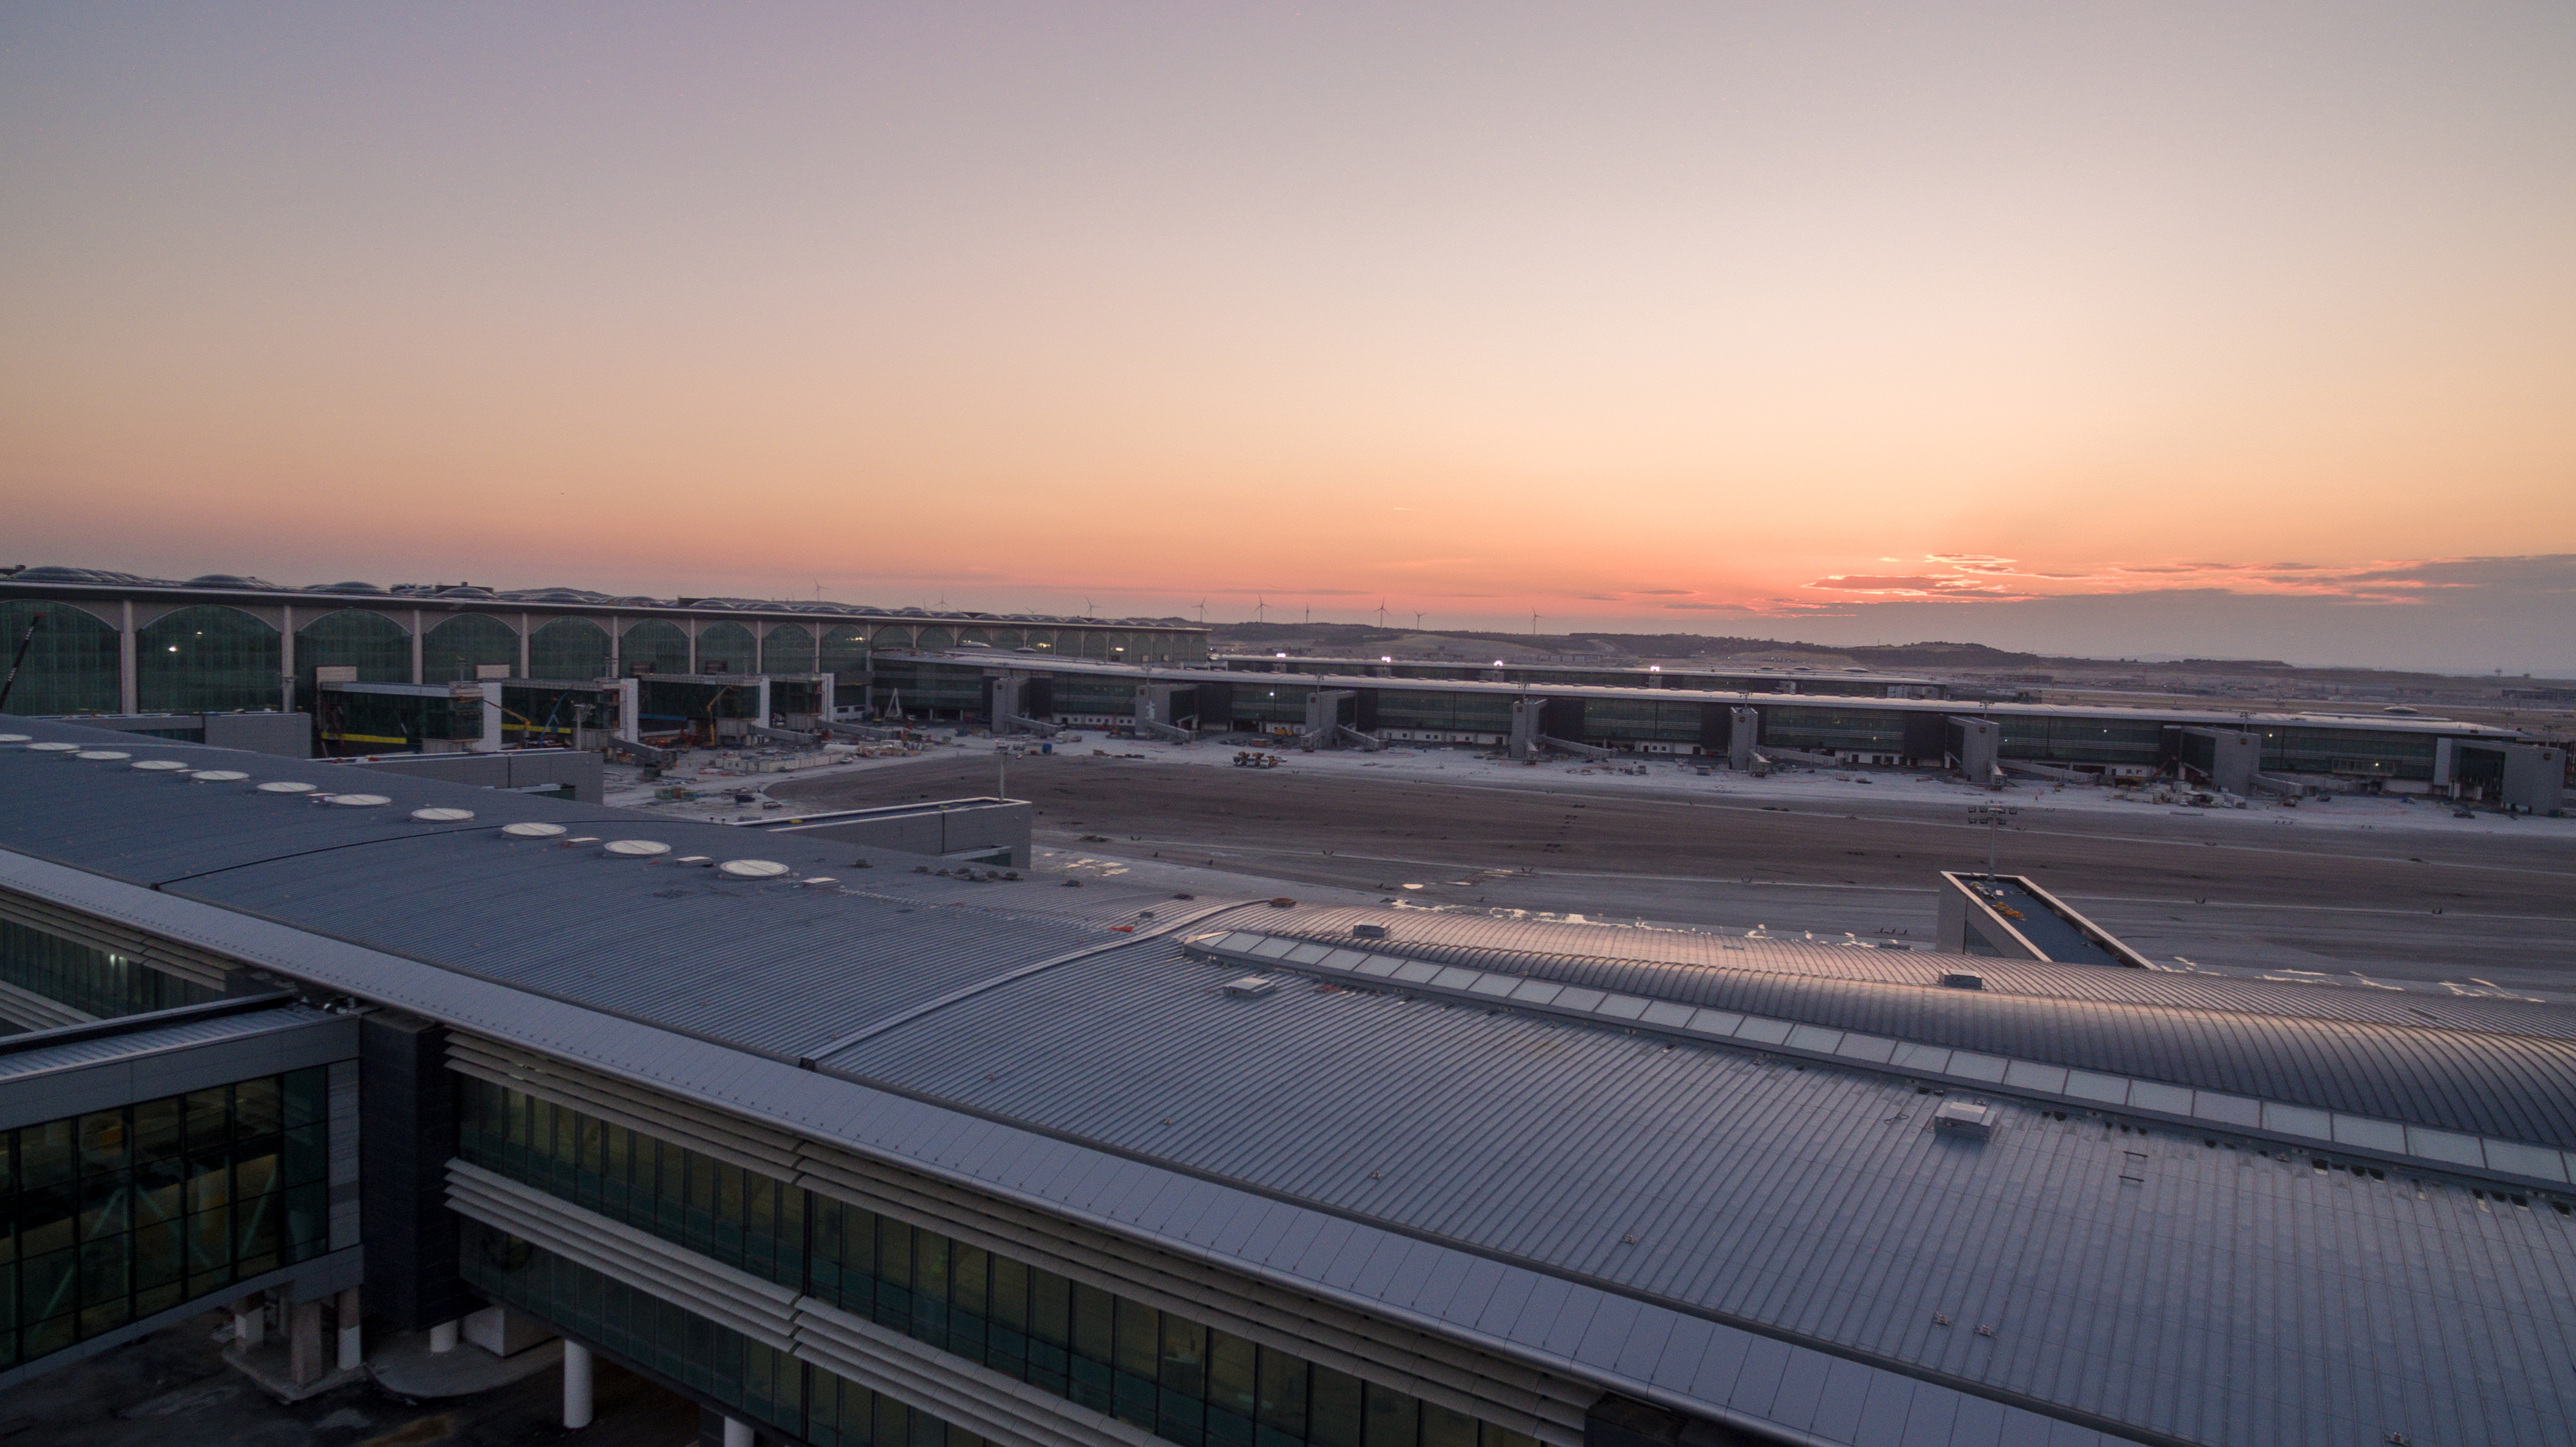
[{"x": 2094, "y": 328}]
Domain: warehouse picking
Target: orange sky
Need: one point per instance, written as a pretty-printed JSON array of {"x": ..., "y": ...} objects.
[{"x": 1894, "y": 321}]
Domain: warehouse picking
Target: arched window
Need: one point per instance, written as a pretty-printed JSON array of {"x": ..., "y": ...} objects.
[
  {"x": 654, "y": 646},
  {"x": 727, "y": 648},
  {"x": 208, "y": 659},
  {"x": 568, "y": 648},
  {"x": 1041, "y": 639},
  {"x": 936, "y": 638},
  {"x": 787, "y": 648},
  {"x": 975, "y": 635},
  {"x": 845, "y": 652},
  {"x": 1007, "y": 638},
  {"x": 454, "y": 649},
  {"x": 377, "y": 646},
  {"x": 891, "y": 636},
  {"x": 71, "y": 664},
  {"x": 1095, "y": 644}
]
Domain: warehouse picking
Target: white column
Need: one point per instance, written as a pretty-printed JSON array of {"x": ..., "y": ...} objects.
[
  {"x": 576, "y": 1384},
  {"x": 250, "y": 1321},
  {"x": 492, "y": 741},
  {"x": 616, "y": 632},
  {"x": 415, "y": 645},
  {"x": 127, "y": 695},
  {"x": 630, "y": 695},
  {"x": 442, "y": 1337},
  {"x": 760, "y": 702},
  {"x": 737, "y": 1433},
  {"x": 351, "y": 1347},
  {"x": 523, "y": 645}
]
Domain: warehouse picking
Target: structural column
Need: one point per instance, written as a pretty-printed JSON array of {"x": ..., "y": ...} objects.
[
  {"x": 576, "y": 1384},
  {"x": 286, "y": 659},
  {"x": 250, "y": 1322},
  {"x": 442, "y": 1337},
  {"x": 352, "y": 1347},
  {"x": 128, "y": 697},
  {"x": 304, "y": 1342},
  {"x": 415, "y": 645},
  {"x": 523, "y": 645},
  {"x": 737, "y": 1433}
]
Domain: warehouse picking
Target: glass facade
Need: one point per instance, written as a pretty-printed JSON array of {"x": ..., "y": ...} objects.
[
  {"x": 936, "y": 638},
  {"x": 891, "y": 636},
  {"x": 654, "y": 646},
  {"x": 1177, "y": 1378},
  {"x": 376, "y": 645},
  {"x": 1823, "y": 730},
  {"x": 455, "y": 648},
  {"x": 71, "y": 665},
  {"x": 208, "y": 659},
  {"x": 728, "y": 648},
  {"x": 746, "y": 1377},
  {"x": 1406, "y": 708},
  {"x": 1255, "y": 705},
  {"x": 845, "y": 652},
  {"x": 1641, "y": 720},
  {"x": 118, "y": 1214},
  {"x": 568, "y": 648},
  {"x": 2356, "y": 753},
  {"x": 2081, "y": 740},
  {"x": 787, "y": 648},
  {"x": 93, "y": 982}
]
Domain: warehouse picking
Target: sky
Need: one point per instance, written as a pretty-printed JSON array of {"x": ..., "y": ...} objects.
[{"x": 2120, "y": 329}]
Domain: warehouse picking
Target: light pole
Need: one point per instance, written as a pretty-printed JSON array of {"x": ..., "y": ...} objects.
[{"x": 1992, "y": 816}]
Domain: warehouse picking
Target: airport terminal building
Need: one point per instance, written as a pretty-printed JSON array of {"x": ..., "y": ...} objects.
[{"x": 850, "y": 1150}]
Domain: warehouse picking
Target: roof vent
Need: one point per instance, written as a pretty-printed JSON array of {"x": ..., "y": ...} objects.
[
  {"x": 53, "y": 748},
  {"x": 531, "y": 831},
  {"x": 14, "y": 738},
  {"x": 442, "y": 816},
  {"x": 818, "y": 879},
  {"x": 635, "y": 848},
  {"x": 102, "y": 754},
  {"x": 159, "y": 766},
  {"x": 752, "y": 868},
  {"x": 1251, "y": 987},
  {"x": 218, "y": 776},
  {"x": 1369, "y": 931},
  {"x": 1973, "y": 1119},
  {"x": 359, "y": 801},
  {"x": 1963, "y": 982},
  {"x": 285, "y": 786}
]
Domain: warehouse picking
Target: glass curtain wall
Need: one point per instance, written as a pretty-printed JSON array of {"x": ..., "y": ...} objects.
[
  {"x": 91, "y": 981},
  {"x": 376, "y": 645},
  {"x": 654, "y": 646},
  {"x": 71, "y": 662},
  {"x": 727, "y": 648},
  {"x": 568, "y": 648},
  {"x": 206, "y": 659},
  {"x": 891, "y": 636},
  {"x": 117, "y": 1214},
  {"x": 455, "y": 648},
  {"x": 1794, "y": 726},
  {"x": 787, "y": 648},
  {"x": 1161, "y": 1371},
  {"x": 937, "y": 638},
  {"x": 845, "y": 652}
]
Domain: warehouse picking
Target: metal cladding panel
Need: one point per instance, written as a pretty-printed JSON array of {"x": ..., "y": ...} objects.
[
  {"x": 76, "y": 1054},
  {"x": 2519, "y": 1085},
  {"x": 2111, "y": 1272}
]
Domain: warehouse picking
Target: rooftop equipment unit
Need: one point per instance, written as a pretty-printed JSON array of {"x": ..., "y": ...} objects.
[{"x": 1971, "y": 1119}]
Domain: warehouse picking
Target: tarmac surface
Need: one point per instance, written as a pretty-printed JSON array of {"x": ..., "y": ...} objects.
[{"x": 2412, "y": 901}]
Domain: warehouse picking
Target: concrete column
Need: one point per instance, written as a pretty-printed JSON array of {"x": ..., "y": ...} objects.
[
  {"x": 576, "y": 1384},
  {"x": 737, "y": 1433},
  {"x": 492, "y": 741},
  {"x": 826, "y": 703},
  {"x": 760, "y": 700},
  {"x": 128, "y": 696},
  {"x": 630, "y": 694},
  {"x": 352, "y": 1348},
  {"x": 415, "y": 645},
  {"x": 523, "y": 645},
  {"x": 304, "y": 1342},
  {"x": 442, "y": 1337},
  {"x": 693, "y": 645},
  {"x": 286, "y": 659},
  {"x": 250, "y": 1322},
  {"x": 616, "y": 636}
]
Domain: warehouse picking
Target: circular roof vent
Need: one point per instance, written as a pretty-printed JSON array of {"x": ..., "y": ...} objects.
[
  {"x": 218, "y": 776},
  {"x": 532, "y": 831},
  {"x": 358, "y": 801},
  {"x": 53, "y": 748},
  {"x": 102, "y": 754},
  {"x": 285, "y": 786},
  {"x": 818, "y": 879},
  {"x": 637, "y": 848},
  {"x": 158, "y": 766},
  {"x": 752, "y": 868},
  {"x": 14, "y": 738},
  {"x": 442, "y": 816}
]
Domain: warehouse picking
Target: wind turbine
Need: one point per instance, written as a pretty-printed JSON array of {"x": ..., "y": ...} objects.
[
  {"x": 1203, "y": 610},
  {"x": 1417, "y": 620},
  {"x": 1534, "y": 622},
  {"x": 1260, "y": 607},
  {"x": 1381, "y": 611}
]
